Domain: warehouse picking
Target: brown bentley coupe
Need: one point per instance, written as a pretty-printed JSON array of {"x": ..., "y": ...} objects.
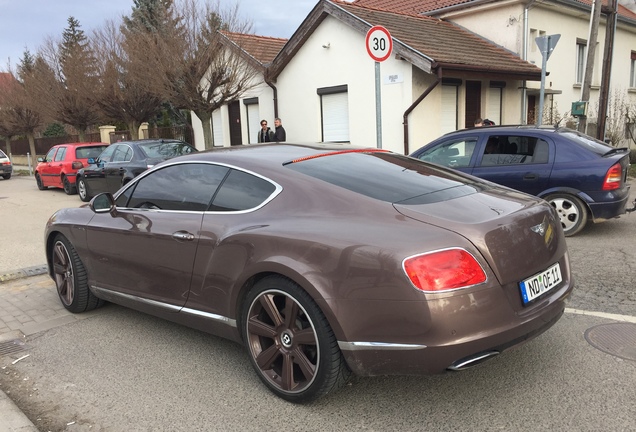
[{"x": 323, "y": 260}]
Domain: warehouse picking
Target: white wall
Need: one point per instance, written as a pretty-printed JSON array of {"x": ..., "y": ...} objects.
[{"x": 345, "y": 62}]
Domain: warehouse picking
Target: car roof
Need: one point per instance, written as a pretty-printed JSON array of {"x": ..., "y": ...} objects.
[
  {"x": 151, "y": 140},
  {"x": 268, "y": 154},
  {"x": 82, "y": 144}
]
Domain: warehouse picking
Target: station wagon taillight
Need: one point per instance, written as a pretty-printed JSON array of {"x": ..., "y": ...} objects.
[
  {"x": 613, "y": 177},
  {"x": 444, "y": 270},
  {"x": 77, "y": 165}
]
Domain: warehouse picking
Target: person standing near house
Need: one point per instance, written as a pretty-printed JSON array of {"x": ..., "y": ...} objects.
[
  {"x": 280, "y": 135},
  {"x": 265, "y": 134}
]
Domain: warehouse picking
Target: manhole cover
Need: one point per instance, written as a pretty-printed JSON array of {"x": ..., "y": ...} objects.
[
  {"x": 618, "y": 339},
  {"x": 12, "y": 347}
]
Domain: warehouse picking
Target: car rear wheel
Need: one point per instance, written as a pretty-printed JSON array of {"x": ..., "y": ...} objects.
[
  {"x": 69, "y": 189},
  {"x": 38, "y": 180},
  {"x": 290, "y": 343},
  {"x": 70, "y": 277},
  {"x": 82, "y": 190},
  {"x": 6, "y": 176},
  {"x": 571, "y": 211}
]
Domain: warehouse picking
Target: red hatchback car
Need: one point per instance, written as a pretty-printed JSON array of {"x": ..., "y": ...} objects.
[{"x": 59, "y": 167}]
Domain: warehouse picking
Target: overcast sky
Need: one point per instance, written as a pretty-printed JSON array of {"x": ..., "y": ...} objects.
[{"x": 26, "y": 23}]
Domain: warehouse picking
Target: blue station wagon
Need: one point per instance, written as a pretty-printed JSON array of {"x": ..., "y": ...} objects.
[{"x": 583, "y": 178}]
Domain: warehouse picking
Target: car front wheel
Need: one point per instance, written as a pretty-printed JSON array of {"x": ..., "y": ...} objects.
[
  {"x": 571, "y": 211},
  {"x": 70, "y": 277},
  {"x": 290, "y": 343},
  {"x": 82, "y": 190}
]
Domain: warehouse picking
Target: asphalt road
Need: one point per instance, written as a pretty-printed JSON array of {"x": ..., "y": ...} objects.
[{"x": 120, "y": 370}]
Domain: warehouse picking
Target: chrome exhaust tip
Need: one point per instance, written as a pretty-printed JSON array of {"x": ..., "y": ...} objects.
[{"x": 470, "y": 361}]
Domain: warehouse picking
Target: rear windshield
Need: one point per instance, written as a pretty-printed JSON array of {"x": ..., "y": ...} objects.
[
  {"x": 2, "y": 155},
  {"x": 588, "y": 142},
  {"x": 89, "y": 152},
  {"x": 166, "y": 149},
  {"x": 389, "y": 177}
]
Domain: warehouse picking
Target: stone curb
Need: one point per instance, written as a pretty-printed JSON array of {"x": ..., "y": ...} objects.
[{"x": 23, "y": 273}]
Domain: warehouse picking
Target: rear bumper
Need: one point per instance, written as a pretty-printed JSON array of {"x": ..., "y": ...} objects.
[
  {"x": 409, "y": 360},
  {"x": 609, "y": 205},
  {"x": 6, "y": 169}
]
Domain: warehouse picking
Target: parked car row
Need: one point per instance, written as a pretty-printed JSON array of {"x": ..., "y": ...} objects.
[
  {"x": 582, "y": 178},
  {"x": 91, "y": 168}
]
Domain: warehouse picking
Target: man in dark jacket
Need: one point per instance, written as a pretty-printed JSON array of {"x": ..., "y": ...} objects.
[
  {"x": 279, "y": 135},
  {"x": 265, "y": 134}
]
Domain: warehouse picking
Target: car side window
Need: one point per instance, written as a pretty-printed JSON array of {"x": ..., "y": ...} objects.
[
  {"x": 456, "y": 153},
  {"x": 123, "y": 153},
  {"x": 49, "y": 155},
  {"x": 107, "y": 155},
  {"x": 185, "y": 187},
  {"x": 242, "y": 191},
  {"x": 59, "y": 156},
  {"x": 514, "y": 150}
]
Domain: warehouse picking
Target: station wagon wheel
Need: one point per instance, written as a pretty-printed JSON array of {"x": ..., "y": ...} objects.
[
  {"x": 571, "y": 211},
  {"x": 69, "y": 189},
  {"x": 70, "y": 277},
  {"x": 38, "y": 181},
  {"x": 291, "y": 345},
  {"x": 82, "y": 190}
]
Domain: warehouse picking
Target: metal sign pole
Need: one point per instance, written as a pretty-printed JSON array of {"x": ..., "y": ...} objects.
[{"x": 378, "y": 106}]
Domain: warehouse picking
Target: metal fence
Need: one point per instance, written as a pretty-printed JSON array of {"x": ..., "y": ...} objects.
[{"x": 20, "y": 147}]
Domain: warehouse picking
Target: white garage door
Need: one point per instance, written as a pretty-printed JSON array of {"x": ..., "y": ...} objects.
[{"x": 335, "y": 117}]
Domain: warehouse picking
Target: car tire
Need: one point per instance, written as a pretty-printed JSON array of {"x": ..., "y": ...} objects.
[
  {"x": 296, "y": 357},
  {"x": 38, "y": 181},
  {"x": 69, "y": 189},
  {"x": 6, "y": 176},
  {"x": 82, "y": 190},
  {"x": 571, "y": 211},
  {"x": 70, "y": 277}
]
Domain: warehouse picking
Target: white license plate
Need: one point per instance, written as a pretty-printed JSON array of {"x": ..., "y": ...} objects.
[{"x": 540, "y": 283}]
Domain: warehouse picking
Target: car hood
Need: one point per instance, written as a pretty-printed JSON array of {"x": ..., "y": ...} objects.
[{"x": 518, "y": 235}]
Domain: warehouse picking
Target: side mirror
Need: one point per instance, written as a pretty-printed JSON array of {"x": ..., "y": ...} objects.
[
  {"x": 103, "y": 203},
  {"x": 40, "y": 159},
  {"x": 91, "y": 160}
]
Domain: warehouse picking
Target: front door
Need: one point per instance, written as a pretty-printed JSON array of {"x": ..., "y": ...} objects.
[
  {"x": 234, "y": 112},
  {"x": 473, "y": 103}
]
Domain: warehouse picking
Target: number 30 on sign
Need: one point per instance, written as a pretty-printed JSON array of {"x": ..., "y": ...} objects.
[{"x": 379, "y": 43}]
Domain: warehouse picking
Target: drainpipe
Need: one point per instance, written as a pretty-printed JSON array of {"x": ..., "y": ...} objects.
[
  {"x": 524, "y": 57},
  {"x": 271, "y": 84},
  {"x": 415, "y": 104}
]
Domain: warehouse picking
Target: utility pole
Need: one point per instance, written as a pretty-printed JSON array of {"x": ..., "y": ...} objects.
[
  {"x": 603, "y": 102},
  {"x": 589, "y": 62}
]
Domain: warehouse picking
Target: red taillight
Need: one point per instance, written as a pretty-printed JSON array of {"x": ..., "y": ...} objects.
[
  {"x": 6, "y": 163},
  {"x": 444, "y": 270},
  {"x": 77, "y": 165},
  {"x": 613, "y": 177}
]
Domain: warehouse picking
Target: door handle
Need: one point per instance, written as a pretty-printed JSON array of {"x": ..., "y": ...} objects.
[
  {"x": 530, "y": 177},
  {"x": 183, "y": 235}
]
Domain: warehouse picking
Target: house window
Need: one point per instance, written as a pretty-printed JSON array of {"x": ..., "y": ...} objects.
[
  {"x": 253, "y": 119},
  {"x": 334, "y": 109},
  {"x": 632, "y": 71},
  {"x": 449, "y": 113},
  {"x": 581, "y": 50}
]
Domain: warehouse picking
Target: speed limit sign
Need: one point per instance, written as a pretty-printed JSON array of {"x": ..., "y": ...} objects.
[{"x": 379, "y": 43}]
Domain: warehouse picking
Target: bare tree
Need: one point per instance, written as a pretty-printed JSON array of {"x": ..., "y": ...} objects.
[
  {"x": 19, "y": 115},
  {"x": 64, "y": 80},
  {"x": 123, "y": 92},
  {"x": 190, "y": 61}
]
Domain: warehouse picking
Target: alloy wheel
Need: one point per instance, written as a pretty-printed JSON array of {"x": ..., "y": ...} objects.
[{"x": 63, "y": 273}]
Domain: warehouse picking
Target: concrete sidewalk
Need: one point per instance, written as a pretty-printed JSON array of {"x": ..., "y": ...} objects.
[{"x": 28, "y": 304}]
